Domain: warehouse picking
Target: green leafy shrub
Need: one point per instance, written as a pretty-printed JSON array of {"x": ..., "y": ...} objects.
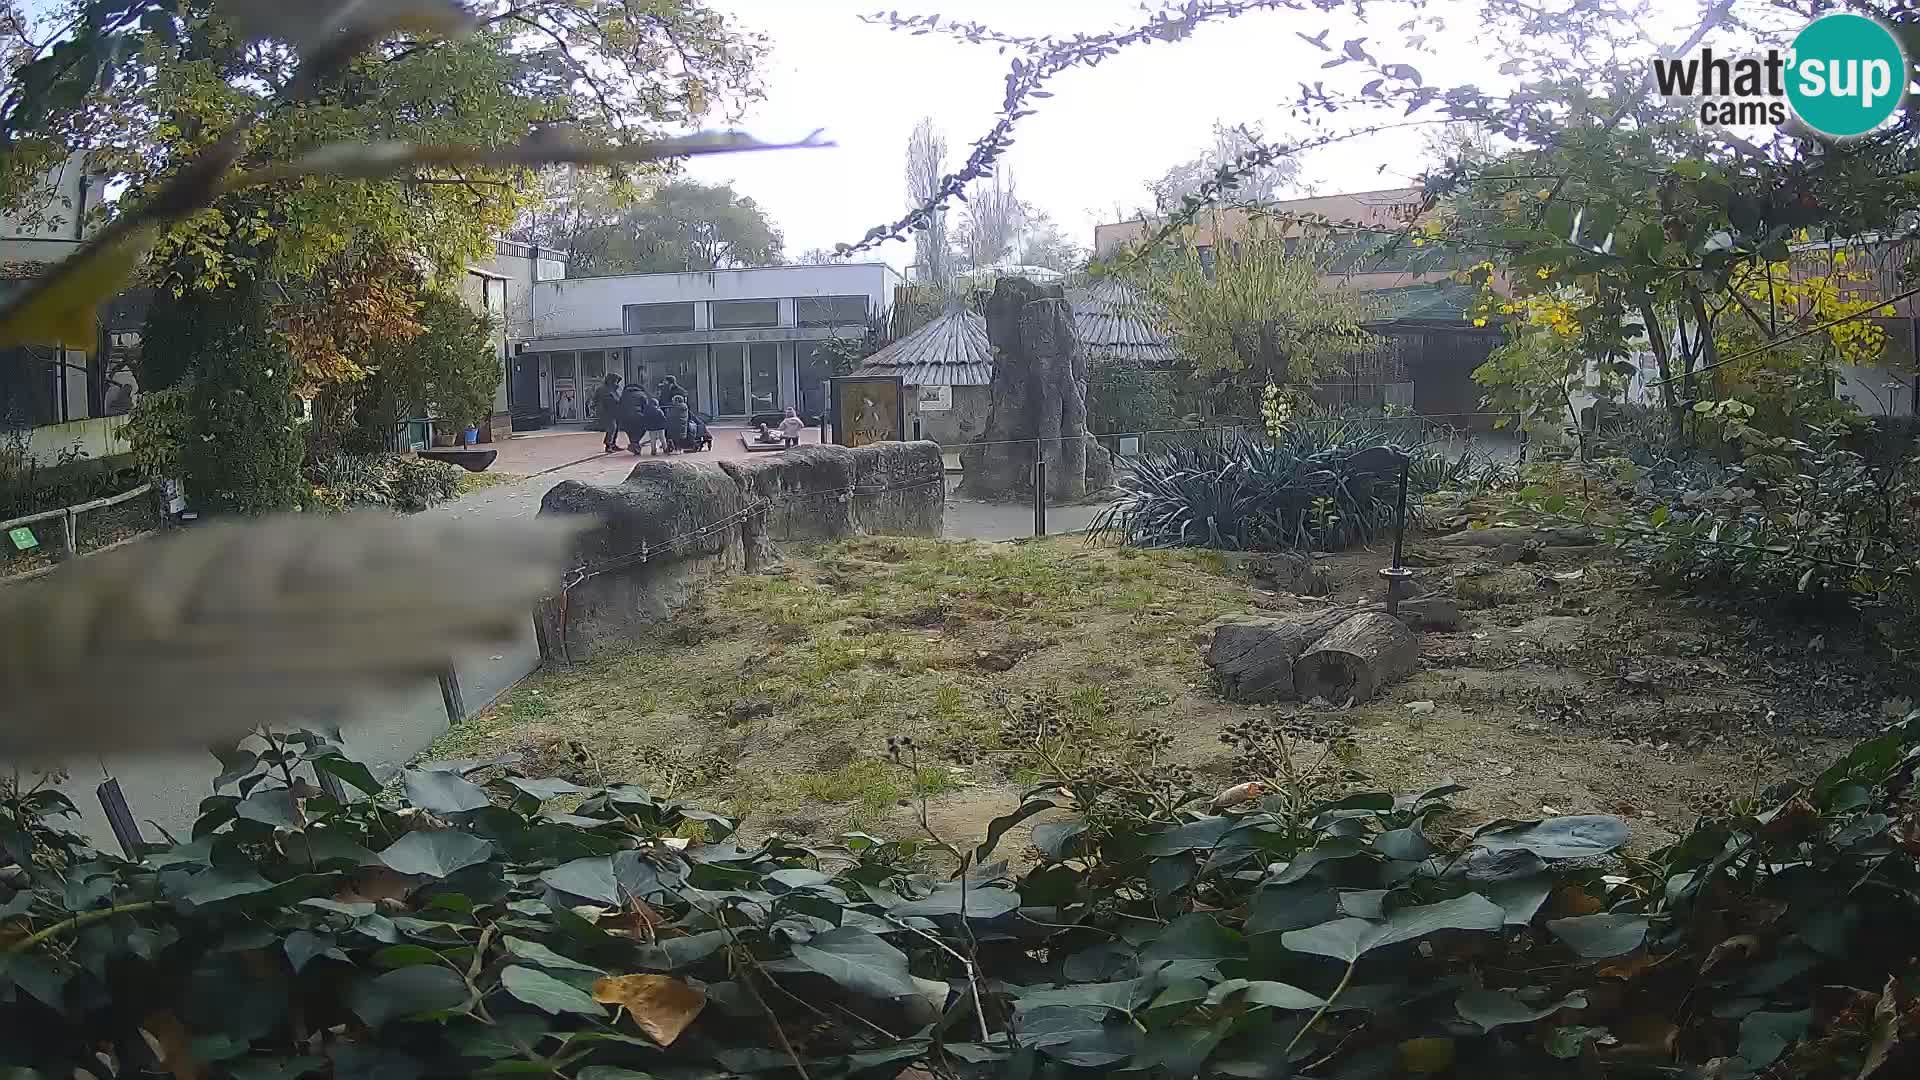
[
  {"x": 450, "y": 370},
  {"x": 1122, "y": 398},
  {"x": 400, "y": 481},
  {"x": 242, "y": 453},
  {"x": 156, "y": 430},
  {"x": 419, "y": 483},
  {"x": 1308, "y": 927},
  {"x": 1322, "y": 486}
]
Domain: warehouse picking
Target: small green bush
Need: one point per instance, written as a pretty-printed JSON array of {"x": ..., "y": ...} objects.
[{"x": 401, "y": 482}]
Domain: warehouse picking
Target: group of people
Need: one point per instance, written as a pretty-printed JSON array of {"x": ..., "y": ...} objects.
[{"x": 662, "y": 424}]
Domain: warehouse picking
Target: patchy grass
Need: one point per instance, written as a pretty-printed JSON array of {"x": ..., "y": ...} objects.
[
  {"x": 471, "y": 482},
  {"x": 774, "y": 696},
  {"x": 798, "y": 678}
]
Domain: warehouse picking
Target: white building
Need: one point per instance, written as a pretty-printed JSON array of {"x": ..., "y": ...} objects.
[
  {"x": 63, "y": 398},
  {"x": 502, "y": 289},
  {"x": 746, "y": 342}
]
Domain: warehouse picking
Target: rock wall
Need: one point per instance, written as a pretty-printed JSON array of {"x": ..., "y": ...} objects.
[{"x": 693, "y": 519}]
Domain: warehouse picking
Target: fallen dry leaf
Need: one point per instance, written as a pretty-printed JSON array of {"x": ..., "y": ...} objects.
[
  {"x": 1737, "y": 947},
  {"x": 1570, "y": 900},
  {"x": 1627, "y": 967},
  {"x": 1238, "y": 794},
  {"x": 638, "y": 921},
  {"x": 1648, "y": 1035},
  {"x": 1426, "y": 1056},
  {"x": 375, "y": 885},
  {"x": 1886, "y": 1029},
  {"x": 662, "y": 1005},
  {"x": 169, "y": 1040}
]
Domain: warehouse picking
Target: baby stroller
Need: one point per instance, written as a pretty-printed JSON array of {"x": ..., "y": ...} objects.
[{"x": 691, "y": 438}]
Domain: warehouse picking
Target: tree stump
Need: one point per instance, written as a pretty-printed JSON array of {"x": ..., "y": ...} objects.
[{"x": 1355, "y": 659}]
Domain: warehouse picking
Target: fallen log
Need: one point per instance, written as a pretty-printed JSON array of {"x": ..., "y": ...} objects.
[
  {"x": 1502, "y": 536},
  {"x": 1355, "y": 659},
  {"x": 1253, "y": 657}
]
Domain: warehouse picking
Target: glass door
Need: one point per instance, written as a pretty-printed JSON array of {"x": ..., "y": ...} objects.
[
  {"x": 730, "y": 380},
  {"x": 566, "y": 387},
  {"x": 593, "y": 369},
  {"x": 763, "y": 379}
]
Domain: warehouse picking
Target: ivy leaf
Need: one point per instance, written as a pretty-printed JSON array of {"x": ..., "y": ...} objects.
[
  {"x": 1496, "y": 1008},
  {"x": 589, "y": 879},
  {"x": 544, "y": 790},
  {"x": 303, "y": 946},
  {"x": 1291, "y": 907},
  {"x": 1191, "y": 836},
  {"x": 977, "y": 902},
  {"x": 535, "y": 953},
  {"x": 353, "y": 772},
  {"x": 544, "y": 992},
  {"x": 410, "y": 991},
  {"x": 859, "y": 960},
  {"x": 1056, "y": 838},
  {"x": 436, "y": 854},
  {"x": 998, "y": 827},
  {"x": 1521, "y": 899},
  {"x": 1349, "y": 939},
  {"x": 1578, "y": 837},
  {"x": 444, "y": 793},
  {"x": 1404, "y": 845},
  {"x": 1764, "y": 1036},
  {"x": 1597, "y": 937},
  {"x": 1273, "y": 995},
  {"x": 272, "y": 807}
]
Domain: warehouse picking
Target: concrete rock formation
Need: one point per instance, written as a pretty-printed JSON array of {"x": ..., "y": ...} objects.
[
  {"x": 1039, "y": 396},
  {"x": 674, "y": 521}
]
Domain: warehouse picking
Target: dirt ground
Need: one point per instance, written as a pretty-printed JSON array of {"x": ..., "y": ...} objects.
[{"x": 1570, "y": 687}]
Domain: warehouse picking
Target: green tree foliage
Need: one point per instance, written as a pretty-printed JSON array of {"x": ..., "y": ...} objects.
[
  {"x": 450, "y": 370},
  {"x": 681, "y": 226},
  {"x": 1264, "y": 309},
  {"x": 598, "y": 66},
  {"x": 243, "y": 448}
]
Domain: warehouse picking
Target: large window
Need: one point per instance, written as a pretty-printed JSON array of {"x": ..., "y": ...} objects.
[
  {"x": 653, "y": 363},
  {"x": 813, "y": 367},
  {"x": 742, "y": 314},
  {"x": 830, "y": 310},
  {"x": 746, "y": 379},
  {"x": 659, "y": 318}
]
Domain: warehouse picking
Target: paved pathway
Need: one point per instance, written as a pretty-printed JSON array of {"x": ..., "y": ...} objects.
[{"x": 166, "y": 790}]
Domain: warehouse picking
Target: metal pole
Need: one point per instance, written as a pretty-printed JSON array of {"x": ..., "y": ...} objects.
[
  {"x": 69, "y": 536},
  {"x": 450, "y": 696},
  {"x": 113, "y": 802},
  {"x": 1397, "y": 574},
  {"x": 1039, "y": 488}
]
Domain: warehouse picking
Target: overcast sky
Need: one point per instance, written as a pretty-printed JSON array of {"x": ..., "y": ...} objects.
[{"x": 1089, "y": 152}]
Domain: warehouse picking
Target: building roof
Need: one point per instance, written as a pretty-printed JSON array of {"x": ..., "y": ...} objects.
[
  {"x": 1447, "y": 301},
  {"x": 952, "y": 350},
  {"x": 1112, "y": 320}
]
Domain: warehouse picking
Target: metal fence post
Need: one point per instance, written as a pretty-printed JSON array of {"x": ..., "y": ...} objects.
[
  {"x": 69, "y": 536},
  {"x": 1039, "y": 488},
  {"x": 450, "y": 695},
  {"x": 113, "y": 802}
]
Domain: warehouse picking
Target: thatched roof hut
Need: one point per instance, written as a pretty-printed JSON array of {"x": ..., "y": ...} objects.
[
  {"x": 1114, "y": 322},
  {"x": 952, "y": 350}
]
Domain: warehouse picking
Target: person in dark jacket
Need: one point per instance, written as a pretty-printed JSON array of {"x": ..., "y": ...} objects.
[
  {"x": 653, "y": 424},
  {"x": 670, "y": 388},
  {"x": 677, "y": 418},
  {"x": 606, "y": 410},
  {"x": 633, "y": 406}
]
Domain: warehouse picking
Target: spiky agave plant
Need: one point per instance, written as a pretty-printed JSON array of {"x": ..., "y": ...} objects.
[{"x": 1315, "y": 488}]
